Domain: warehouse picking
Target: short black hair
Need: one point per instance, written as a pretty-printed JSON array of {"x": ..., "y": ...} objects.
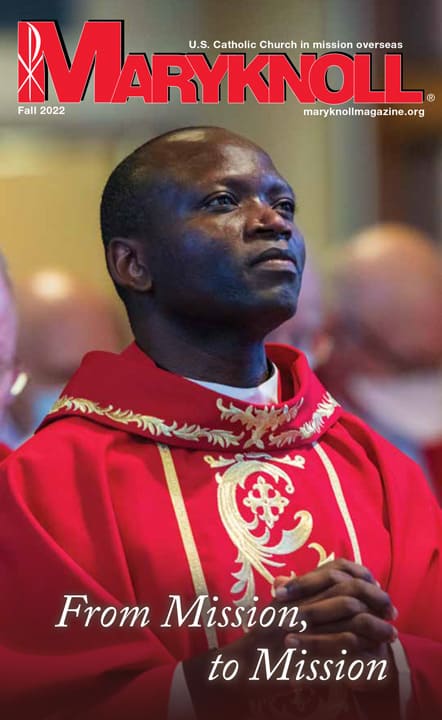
[
  {"x": 122, "y": 208},
  {"x": 125, "y": 200},
  {"x": 127, "y": 196}
]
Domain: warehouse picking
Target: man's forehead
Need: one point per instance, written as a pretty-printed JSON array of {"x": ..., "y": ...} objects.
[
  {"x": 204, "y": 147},
  {"x": 198, "y": 159}
]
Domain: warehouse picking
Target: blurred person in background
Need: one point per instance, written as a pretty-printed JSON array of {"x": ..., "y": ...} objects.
[
  {"x": 8, "y": 340},
  {"x": 386, "y": 356},
  {"x": 61, "y": 319},
  {"x": 306, "y": 329}
]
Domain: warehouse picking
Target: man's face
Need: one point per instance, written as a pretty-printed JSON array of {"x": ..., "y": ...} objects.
[{"x": 223, "y": 244}]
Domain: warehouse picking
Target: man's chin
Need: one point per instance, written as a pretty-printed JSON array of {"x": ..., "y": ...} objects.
[
  {"x": 281, "y": 301},
  {"x": 271, "y": 310}
]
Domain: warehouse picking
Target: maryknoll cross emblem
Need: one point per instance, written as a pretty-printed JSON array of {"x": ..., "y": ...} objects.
[{"x": 31, "y": 71}]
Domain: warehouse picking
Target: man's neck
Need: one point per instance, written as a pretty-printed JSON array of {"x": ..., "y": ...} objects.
[{"x": 219, "y": 357}]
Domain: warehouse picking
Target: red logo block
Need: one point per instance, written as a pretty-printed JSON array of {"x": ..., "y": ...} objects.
[{"x": 31, "y": 68}]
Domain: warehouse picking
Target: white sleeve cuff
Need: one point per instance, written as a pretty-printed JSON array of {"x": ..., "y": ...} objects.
[
  {"x": 404, "y": 677},
  {"x": 180, "y": 702}
]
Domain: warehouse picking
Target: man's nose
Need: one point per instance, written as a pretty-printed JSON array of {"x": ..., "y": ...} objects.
[{"x": 266, "y": 220}]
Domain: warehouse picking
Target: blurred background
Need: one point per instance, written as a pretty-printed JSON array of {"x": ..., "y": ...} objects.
[{"x": 348, "y": 173}]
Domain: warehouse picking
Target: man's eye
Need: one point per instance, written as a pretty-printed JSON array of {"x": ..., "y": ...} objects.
[
  {"x": 286, "y": 206},
  {"x": 222, "y": 201}
]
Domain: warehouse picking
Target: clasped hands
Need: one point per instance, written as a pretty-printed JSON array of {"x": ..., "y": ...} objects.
[
  {"x": 340, "y": 607},
  {"x": 343, "y": 607}
]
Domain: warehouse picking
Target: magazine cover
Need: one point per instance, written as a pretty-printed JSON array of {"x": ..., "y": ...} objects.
[{"x": 220, "y": 360}]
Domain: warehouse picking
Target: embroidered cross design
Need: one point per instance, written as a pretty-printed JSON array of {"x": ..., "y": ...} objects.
[{"x": 265, "y": 502}]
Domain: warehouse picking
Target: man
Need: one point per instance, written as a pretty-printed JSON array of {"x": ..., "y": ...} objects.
[
  {"x": 61, "y": 319},
  {"x": 386, "y": 360},
  {"x": 196, "y": 465},
  {"x": 8, "y": 341}
]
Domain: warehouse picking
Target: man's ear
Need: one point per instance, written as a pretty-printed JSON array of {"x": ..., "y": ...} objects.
[{"x": 126, "y": 262}]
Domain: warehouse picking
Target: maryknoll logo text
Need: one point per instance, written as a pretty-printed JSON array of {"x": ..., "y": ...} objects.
[{"x": 268, "y": 77}]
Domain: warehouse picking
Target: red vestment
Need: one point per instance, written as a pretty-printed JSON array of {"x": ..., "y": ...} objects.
[
  {"x": 433, "y": 456},
  {"x": 140, "y": 485},
  {"x": 4, "y": 451}
]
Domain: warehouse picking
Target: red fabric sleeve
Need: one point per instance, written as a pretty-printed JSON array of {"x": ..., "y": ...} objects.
[
  {"x": 4, "y": 451},
  {"x": 433, "y": 456},
  {"x": 415, "y": 584},
  {"x": 425, "y": 660},
  {"x": 47, "y": 672}
]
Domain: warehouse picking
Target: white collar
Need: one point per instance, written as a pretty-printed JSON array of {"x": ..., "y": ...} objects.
[{"x": 263, "y": 394}]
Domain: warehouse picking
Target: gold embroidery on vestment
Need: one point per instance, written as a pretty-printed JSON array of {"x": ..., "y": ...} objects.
[
  {"x": 324, "y": 410},
  {"x": 155, "y": 426},
  {"x": 265, "y": 501},
  {"x": 340, "y": 500},
  {"x": 260, "y": 421},
  {"x": 254, "y": 551},
  {"x": 196, "y": 569}
]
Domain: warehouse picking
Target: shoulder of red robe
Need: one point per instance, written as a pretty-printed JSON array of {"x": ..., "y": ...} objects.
[
  {"x": 130, "y": 393},
  {"x": 4, "y": 451}
]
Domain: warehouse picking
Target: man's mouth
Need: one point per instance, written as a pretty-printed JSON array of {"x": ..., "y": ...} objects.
[{"x": 276, "y": 259}]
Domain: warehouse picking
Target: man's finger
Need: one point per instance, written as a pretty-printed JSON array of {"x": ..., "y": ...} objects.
[
  {"x": 322, "y": 578},
  {"x": 363, "y": 625},
  {"x": 330, "y": 610},
  {"x": 376, "y": 599},
  {"x": 330, "y": 646}
]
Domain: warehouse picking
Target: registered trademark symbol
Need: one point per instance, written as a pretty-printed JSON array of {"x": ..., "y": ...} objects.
[{"x": 431, "y": 97}]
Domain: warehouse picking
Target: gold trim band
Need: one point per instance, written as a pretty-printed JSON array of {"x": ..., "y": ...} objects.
[
  {"x": 404, "y": 677},
  {"x": 148, "y": 423},
  {"x": 195, "y": 567},
  {"x": 340, "y": 499}
]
